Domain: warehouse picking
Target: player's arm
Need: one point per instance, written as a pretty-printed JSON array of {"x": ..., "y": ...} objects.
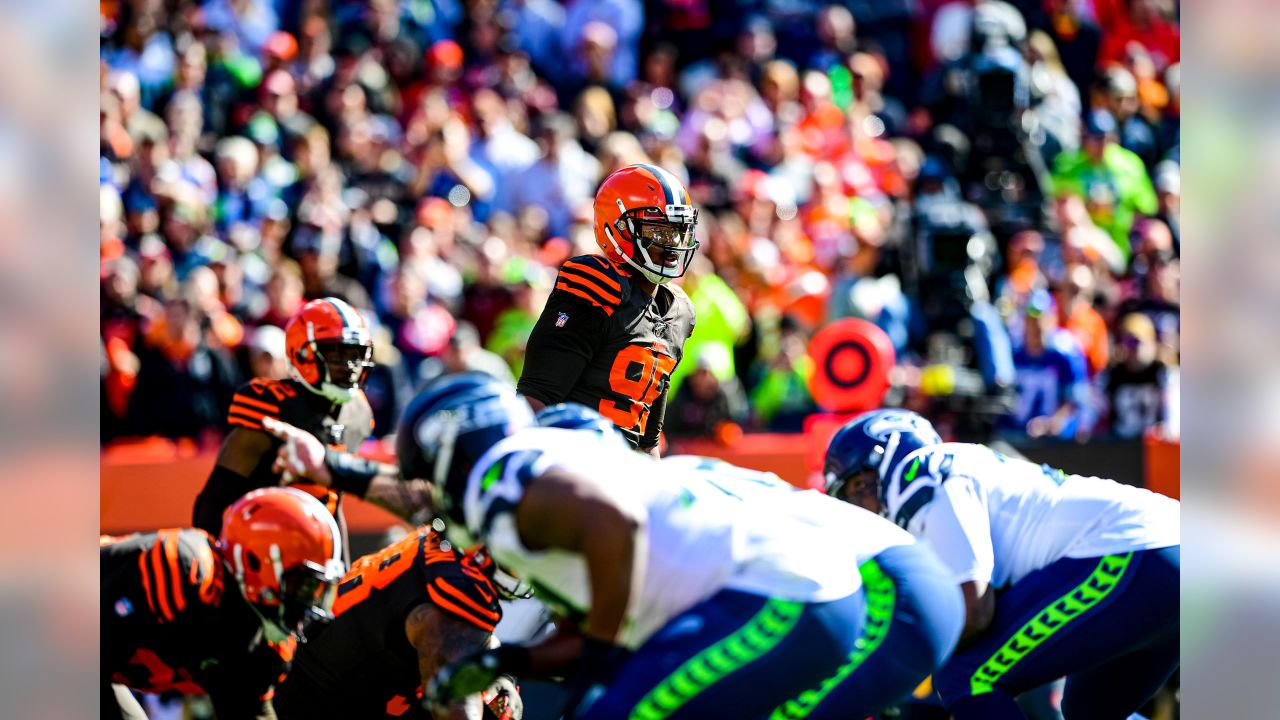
[
  {"x": 561, "y": 344},
  {"x": 958, "y": 530},
  {"x": 564, "y": 511},
  {"x": 242, "y": 688},
  {"x": 440, "y": 640},
  {"x": 651, "y": 441},
  {"x": 303, "y": 457},
  {"x": 240, "y": 453}
]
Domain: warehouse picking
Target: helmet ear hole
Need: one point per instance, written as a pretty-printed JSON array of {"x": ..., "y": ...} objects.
[{"x": 252, "y": 561}]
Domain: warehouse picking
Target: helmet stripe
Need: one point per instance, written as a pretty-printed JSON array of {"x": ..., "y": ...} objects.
[
  {"x": 348, "y": 314},
  {"x": 661, "y": 177}
]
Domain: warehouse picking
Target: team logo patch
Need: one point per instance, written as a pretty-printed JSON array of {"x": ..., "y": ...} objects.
[
  {"x": 561, "y": 319},
  {"x": 123, "y": 607}
]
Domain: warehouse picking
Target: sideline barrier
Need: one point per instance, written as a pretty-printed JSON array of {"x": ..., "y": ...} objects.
[{"x": 153, "y": 483}]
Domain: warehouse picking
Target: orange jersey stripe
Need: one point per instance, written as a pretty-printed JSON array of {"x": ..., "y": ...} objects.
[
  {"x": 146, "y": 582},
  {"x": 461, "y": 597},
  {"x": 245, "y": 400},
  {"x": 162, "y": 590},
  {"x": 445, "y": 604},
  {"x": 247, "y": 412},
  {"x": 244, "y": 423},
  {"x": 562, "y": 286},
  {"x": 175, "y": 573},
  {"x": 571, "y": 265},
  {"x": 574, "y": 276}
]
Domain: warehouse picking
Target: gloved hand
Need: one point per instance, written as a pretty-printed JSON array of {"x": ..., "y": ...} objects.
[
  {"x": 473, "y": 674},
  {"x": 599, "y": 662},
  {"x": 503, "y": 699}
]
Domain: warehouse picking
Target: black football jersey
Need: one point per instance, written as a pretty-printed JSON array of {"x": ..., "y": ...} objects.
[
  {"x": 362, "y": 664},
  {"x": 603, "y": 343},
  {"x": 174, "y": 622},
  {"x": 341, "y": 426}
]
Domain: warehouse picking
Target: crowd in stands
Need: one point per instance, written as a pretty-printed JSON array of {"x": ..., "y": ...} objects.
[{"x": 433, "y": 162}]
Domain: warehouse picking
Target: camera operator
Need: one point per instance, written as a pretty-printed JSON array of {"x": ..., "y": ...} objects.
[
  {"x": 987, "y": 94},
  {"x": 946, "y": 268}
]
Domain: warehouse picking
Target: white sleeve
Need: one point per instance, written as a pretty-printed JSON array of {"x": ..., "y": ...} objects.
[{"x": 959, "y": 532}]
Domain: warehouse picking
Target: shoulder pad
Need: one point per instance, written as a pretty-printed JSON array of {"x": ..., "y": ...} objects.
[
  {"x": 688, "y": 312},
  {"x": 463, "y": 591},
  {"x": 260, "y": 398},
  {"x": 594, "y": 279},
  {"x": 178, "y": 570}
]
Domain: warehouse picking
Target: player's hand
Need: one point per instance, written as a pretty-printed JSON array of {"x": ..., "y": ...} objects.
[
  {"x": 503, "y": 699},
  {"x": 301, "y": 455},
  {"x": 467, "y": 676}
]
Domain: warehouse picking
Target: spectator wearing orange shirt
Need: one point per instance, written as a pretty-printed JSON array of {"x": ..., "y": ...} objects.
[{"x": 1077, "y": 315}]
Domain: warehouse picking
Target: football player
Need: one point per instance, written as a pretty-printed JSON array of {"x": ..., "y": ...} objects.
[
  {"x": 329, "y": 351},
  {"x": 614, "y": 328},
  {"x": 1062, "y": 575},
  {"x": 170, "y": 624},
  {"x": 401, "y": 614},
  {"x": 697, "y": 593}
]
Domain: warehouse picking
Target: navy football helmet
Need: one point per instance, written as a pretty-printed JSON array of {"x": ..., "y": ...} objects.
[
  {"x": 453, "y": 421},
  {"x": 572, "y": 416},
  {"x": 875, "y": 440}
]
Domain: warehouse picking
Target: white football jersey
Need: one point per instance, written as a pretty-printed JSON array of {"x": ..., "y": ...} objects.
[
  {"x": 709, "y": 526},
  {"x": 996, "y": 519}
]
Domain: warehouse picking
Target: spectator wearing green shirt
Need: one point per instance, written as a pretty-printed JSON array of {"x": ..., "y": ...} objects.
[
  {"x": 1112, "y": 181},
  {"x": 722, "y": 319},
  {"x": 780, "y": 399}
]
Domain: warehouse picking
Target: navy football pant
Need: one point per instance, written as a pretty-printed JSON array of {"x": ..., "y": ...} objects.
[
  {"x": 914, "y": 617},
  {"x": 734, "y": 656},
  {"x": 1108, "y": 624}
]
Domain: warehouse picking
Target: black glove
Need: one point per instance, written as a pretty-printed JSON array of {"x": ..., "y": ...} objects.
[{"x": 597, "y": 666}]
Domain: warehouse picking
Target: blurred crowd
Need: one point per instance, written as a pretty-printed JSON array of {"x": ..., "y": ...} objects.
[{"x": 994, "y": 184}]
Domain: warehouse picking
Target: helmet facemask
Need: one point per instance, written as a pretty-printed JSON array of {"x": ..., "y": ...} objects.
[
  {"x": 340, "y": 365},
  {"x": 663, "y": 239},
  {"x": 305, "y": 597}
]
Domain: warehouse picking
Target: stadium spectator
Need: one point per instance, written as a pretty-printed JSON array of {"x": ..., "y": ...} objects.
[
  {"x": 267, "y": 357},
  {"x": 1111, "y": 179},
  {"x": 430, "y": 162},
  {"x": 1137, "y": 384},
  {"x": 1051, "y": 375},
  {"x": 709, "y": 404},
  {"x": 464, "y": 353},
  {"x": 1074, "y": 295},
  {"x": 780, "y": 400}
]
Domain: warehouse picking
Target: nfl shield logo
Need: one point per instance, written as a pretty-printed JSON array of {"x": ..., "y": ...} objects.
[{"x": 561, "y": 319}]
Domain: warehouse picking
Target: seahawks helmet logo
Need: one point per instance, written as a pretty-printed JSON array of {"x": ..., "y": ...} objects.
[{"x": 893, "y": 422}]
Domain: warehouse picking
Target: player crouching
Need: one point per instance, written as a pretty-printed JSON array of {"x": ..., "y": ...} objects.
[
  {"x": 1087, "y": 569},
  {"x": 171, "y": 625}
]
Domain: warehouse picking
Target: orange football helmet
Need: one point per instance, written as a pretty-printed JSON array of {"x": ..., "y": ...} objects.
[
  {"x": 645, "y": 218},
  {"x": 330, "y": 348},
  {"x": 286, "y": 553}
]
